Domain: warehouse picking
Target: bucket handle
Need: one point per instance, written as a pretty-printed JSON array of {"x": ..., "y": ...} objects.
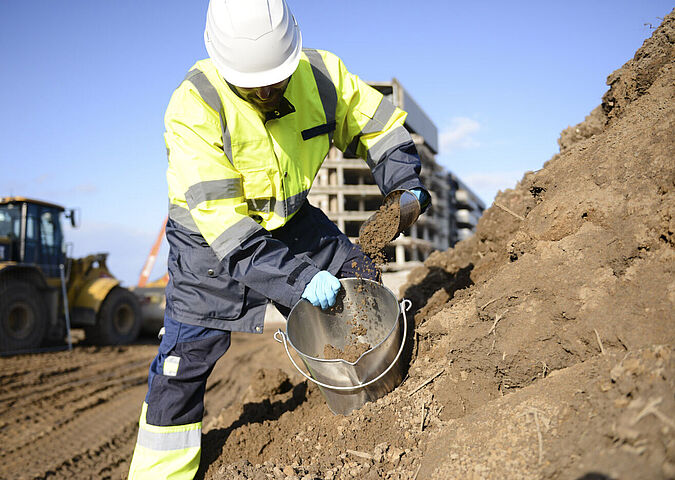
[{"x": 405, "y": 305}]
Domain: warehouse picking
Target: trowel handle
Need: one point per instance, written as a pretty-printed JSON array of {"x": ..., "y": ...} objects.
[{"x": 280, "y": 337}]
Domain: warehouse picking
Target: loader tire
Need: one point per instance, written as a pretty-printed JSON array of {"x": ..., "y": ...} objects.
[
  {"x": 23, "y": 317},
  {"x": 118, "y": 321}
]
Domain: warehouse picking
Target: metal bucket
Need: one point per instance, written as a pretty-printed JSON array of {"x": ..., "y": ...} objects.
[{"x": 345, "y": 385}]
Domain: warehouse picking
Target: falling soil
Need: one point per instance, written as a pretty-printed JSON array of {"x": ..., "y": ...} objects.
[
  {"x": 381, "y": 229},
  {"x": 545, "y": 341}
]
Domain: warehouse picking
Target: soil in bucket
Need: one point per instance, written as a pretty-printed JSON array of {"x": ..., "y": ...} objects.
[
  {"x": 351, "y": 353},
  {"x": 354, "y": 347}
]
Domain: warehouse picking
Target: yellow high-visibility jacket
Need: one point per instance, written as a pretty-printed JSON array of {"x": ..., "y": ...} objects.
[{"x": 236, "y": 174}]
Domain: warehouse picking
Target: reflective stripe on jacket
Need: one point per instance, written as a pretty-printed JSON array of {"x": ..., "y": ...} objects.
[{"x": 236, "y": 174}]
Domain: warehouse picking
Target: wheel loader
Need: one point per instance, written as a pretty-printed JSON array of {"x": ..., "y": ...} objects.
[{"x": 42, "y": 290}]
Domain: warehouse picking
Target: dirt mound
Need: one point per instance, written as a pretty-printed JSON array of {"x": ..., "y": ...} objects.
[
  {"x": 544, "y": 341},
  {"x": 603, "y": 417}
]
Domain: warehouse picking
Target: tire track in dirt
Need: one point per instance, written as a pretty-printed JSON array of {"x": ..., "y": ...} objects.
[
  {"x": 67, "y": 415},
  {"x": 59, "y": 409},
  {"x": 45, "y": 406},
  {"x": 107, "y": 461},
  {"x": 90, "y": 430},
  {"x": 64, "y": 371}
]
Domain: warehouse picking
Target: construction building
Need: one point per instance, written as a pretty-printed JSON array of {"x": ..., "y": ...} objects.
[{"x": 345, "y": 190}]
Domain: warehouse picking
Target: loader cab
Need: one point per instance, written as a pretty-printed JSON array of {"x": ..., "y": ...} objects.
[{"x": 30, "y": 233}]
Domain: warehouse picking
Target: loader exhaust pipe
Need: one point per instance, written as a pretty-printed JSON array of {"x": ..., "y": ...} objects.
[{"x": 65, "y": 306}]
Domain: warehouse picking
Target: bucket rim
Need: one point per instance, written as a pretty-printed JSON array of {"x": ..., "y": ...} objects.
[{"x": 337, "y": 360}]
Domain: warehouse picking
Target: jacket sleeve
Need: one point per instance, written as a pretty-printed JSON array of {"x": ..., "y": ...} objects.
[
  {"x": 202, "y": 178},
  {"x": 371, "y": 127}
]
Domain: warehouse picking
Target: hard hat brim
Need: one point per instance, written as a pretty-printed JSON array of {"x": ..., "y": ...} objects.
[{"x": 256, "y": 79}]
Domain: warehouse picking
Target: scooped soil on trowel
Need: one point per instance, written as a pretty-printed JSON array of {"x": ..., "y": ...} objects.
[{"x": 381, "y": 229}]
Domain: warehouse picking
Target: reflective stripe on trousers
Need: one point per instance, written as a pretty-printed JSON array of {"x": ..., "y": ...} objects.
[
  {"x": 170, "y": 428},
  {"x": 170, "y": 453}
]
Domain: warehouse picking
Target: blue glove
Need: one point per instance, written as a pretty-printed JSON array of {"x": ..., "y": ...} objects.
[
  {"x": 322, "y": 290},
  {"x": 422, "y": 197}
]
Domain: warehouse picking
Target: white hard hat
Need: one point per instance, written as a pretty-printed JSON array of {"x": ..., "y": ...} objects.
[{"x": 252, "y": 43}]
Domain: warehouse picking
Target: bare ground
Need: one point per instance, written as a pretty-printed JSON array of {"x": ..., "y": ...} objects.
[{"x": 68, "y": 415}]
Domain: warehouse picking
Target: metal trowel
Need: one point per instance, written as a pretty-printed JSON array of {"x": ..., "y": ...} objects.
[{"x": 408, "y": 210}]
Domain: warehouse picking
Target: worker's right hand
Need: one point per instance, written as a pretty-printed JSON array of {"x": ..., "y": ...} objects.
[{"x": 322, "y": 290}]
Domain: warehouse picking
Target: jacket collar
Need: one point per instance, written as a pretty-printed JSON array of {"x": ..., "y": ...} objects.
[{"x": 285, "y": 106}]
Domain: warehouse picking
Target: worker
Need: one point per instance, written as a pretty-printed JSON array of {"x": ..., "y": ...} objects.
[{"x": 246, "y": 133}]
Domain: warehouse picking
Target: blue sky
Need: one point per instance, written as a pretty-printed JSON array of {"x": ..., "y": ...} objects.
[{"x": 84, "y": 87}]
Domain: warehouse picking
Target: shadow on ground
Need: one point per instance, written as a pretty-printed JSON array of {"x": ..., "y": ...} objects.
[{"x": 255, "y": 412}]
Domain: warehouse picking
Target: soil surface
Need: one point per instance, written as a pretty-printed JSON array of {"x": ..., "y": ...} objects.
[
  {"x": 543, "y": 345},
  {"x": 74, "y": 415}
]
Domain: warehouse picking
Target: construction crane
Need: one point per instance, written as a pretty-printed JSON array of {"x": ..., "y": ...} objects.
[{"x": 151, "y": 294}]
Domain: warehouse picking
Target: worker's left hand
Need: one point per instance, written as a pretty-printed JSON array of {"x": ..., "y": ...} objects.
[
  {"x": 322, "y": 290},
  {"x": 423, "y": 197}
]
